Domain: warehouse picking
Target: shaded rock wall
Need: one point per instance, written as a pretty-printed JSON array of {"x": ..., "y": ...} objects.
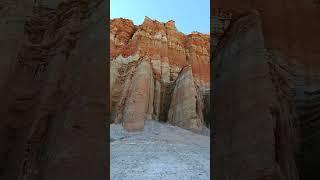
[
  {"x": 265, "y": 103},
  {"x": 51, "y": 120},
  {"x": 307, "y": 106},
  {"x": 283, "y": 111},
  {"x": 295, "y": 34},
  {"x": 296, "y": 116},
  {"x": 242, "y": 121}
]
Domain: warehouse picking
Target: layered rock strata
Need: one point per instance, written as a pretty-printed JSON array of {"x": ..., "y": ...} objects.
[{"x": 163, "y": 52}]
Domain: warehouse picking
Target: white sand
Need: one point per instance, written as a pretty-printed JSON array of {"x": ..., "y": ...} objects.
[{"x": 161, "y": 151}]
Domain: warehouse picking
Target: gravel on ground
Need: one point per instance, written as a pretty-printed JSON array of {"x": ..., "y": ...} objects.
[{"x": 161, "y": 151}]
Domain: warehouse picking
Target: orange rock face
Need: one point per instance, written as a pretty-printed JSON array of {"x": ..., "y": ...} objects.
[
  {"x": 147, "y": 80},
  {"x": 161, "y": 41}
]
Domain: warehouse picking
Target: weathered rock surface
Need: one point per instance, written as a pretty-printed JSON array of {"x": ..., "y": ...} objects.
[
  {"x": 53, "y": 95},
  {"x": 164, "y": 51},
  {"x": 186, "y": 106},
  {"x": 162, "y": 43},
  {"x": 139, "y": 99},
  {"x": 265, "y": 104}
]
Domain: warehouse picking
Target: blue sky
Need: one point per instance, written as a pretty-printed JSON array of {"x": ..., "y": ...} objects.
[{"x": 189, "y": 15}]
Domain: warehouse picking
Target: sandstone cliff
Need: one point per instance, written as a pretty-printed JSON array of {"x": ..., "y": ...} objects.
[{"x": 161, "y": 52}]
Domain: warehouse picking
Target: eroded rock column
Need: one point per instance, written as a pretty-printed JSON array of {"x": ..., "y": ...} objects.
[
  {"x": 183, "y": 109},
  {"x": 138, "y": 98}
]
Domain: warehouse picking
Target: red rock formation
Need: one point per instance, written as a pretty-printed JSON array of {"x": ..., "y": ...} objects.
[
  {"x": 167, "y": 51},
  {"x": 121, "y": 31},
  {"x": 197, "y": 53},
  {"x": 161, "y": 41}
]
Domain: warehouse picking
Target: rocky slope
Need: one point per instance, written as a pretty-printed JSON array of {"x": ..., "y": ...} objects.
[
  {"x": 157, "y": 72},
  {"x": 265, "y": 104}
]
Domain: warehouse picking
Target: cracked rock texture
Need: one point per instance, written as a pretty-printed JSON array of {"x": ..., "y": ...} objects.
[
  {"x": 53, "y": 90},
  {"x": 158, "y": 73}
]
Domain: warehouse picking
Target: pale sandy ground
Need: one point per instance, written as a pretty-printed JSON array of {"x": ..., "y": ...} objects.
[{"x": 161, "y": 151}]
